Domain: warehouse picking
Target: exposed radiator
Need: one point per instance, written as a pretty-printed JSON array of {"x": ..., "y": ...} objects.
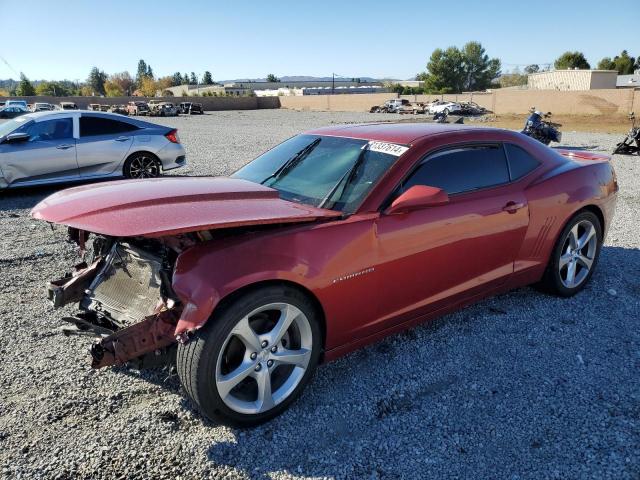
[{"x": 128, "y": 287}]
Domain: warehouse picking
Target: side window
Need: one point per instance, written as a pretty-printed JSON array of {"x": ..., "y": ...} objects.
[
  {"x": 520, "y": 162},
  {"x": 51, "y": 130},
  {"x": 93, "y": 126},
  {"x": 462, "y": 169}
]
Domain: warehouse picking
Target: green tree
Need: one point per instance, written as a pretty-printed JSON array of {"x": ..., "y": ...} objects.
[
  {"x": 193, "y": 80},
  {"x": 624, "y": 63},
  {"x": 144, "y": 71},
  {"x": 207, "y": 79},
  {"x": 445, "y": 71},
  {"x": 456, "y": 70},
  {"x": 124, "y": 83},
  {"x": 606, "y": 64},
  {"x": 572, "y": 60},
  {"x": 479, "y": 69},
  {"x": 54, "y": 89},
  {"x": 185, "y": 79},
  {"x": 272, "y": 78},
  {"x": 96, "y": 81},
  {"x": 25, "y": 88},
  {"x": 533, "y": 68},
  {"x": 112, "y": 89},
  {"x": 176, "y": 79}
]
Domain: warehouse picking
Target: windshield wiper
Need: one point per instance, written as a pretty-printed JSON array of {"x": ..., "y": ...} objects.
[
  {"x": 347, "y": 178},
  {"x": 292, "y": 162}
]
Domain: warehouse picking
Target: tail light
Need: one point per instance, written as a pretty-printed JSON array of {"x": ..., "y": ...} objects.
[{"x": 172, "y": 136}]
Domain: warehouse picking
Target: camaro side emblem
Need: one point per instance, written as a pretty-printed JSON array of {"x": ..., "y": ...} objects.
[{"x": 353, "y": 275}]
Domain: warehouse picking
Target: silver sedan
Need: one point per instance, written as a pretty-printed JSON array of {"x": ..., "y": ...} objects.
[{"x": 66, "y": 146}]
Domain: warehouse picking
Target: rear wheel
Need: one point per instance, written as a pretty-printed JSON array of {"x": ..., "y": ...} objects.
[
  {"x": 250, "y": 361},
  {"x": 574, "y": 256},
  {"x": 142, "y": 165}
]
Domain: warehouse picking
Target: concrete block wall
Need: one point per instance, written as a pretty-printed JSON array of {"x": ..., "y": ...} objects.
[{"x": 587, "y": 102}]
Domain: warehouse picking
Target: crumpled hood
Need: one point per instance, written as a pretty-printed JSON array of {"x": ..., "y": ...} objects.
[{"x": 167, "y": 206}]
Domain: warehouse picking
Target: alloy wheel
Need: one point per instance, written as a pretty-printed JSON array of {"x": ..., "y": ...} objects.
[
  {"x": 578, "y": 254},
  {"x": 264, "y": 358},
  {"x": 144, "y": 167}
]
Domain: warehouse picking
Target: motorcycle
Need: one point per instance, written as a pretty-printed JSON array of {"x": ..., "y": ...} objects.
[
  {"x": 626, "y": 146},
  {"x": 541, "y": 129}
]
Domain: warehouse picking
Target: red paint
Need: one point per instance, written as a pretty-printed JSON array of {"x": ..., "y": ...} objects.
[
  {"x": 167, "y": 206},
  {"x": 372, "y": 273},
  {"x": 418, "y": 196}
]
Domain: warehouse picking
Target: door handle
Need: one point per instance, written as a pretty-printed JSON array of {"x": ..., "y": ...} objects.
[
  {"x": 122, "y": 139},
  {"x": 513, "y": 207},
  {"x": 64, "y": 146}
]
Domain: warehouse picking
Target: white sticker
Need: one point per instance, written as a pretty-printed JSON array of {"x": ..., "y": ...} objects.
[{"x": 389, "y": 148}]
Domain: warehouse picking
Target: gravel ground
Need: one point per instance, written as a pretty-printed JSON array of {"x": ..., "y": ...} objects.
[{"x": 519, "y": 386}]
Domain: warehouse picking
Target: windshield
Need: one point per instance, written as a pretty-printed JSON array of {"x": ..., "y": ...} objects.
[
  {"x": 328, "y": 172},
  {"x": 8, "y": 127}
]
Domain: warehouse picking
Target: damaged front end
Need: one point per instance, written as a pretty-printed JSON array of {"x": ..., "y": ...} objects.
[{"x": 125, "y": 298}]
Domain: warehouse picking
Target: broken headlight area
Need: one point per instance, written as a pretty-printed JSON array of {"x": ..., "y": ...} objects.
[{"x": 125, "y": 299}]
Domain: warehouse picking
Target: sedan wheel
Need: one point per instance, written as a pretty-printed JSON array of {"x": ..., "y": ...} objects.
[
  {"x": 574, "y": 256},
  {"x": 142, "y": 166},
  {"x": 253, "y": 357}
]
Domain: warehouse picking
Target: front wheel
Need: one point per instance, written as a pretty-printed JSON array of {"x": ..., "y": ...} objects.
[
  {"x": 574, "y": 256},
  {"x": 253, "y": 358}
]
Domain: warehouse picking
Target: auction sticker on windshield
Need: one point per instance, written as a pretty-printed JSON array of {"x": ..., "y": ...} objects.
[{"x": 390, "y": 148}]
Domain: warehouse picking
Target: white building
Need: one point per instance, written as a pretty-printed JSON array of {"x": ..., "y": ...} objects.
[{"x": 572, "y": 80}]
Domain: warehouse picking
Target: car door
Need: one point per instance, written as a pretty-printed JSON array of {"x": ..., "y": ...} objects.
[
  {"x": 48, "y": 154},
  {"x": 103, "y": 144},
  {"x": 437, "y": 256}
]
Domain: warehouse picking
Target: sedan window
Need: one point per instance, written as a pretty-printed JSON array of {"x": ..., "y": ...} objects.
[
  {"x": 51, "y": 130},
  {"x": 462, "y": 169},
  {"x": 93, "y": 126}
]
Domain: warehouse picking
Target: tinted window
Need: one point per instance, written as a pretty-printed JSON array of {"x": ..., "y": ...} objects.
[
  {"x": 91, "y": 126},
  {"x": 51, "y": 130},
  {"x": 462, "y": 169},
  {"x": 520, "y": 162}
]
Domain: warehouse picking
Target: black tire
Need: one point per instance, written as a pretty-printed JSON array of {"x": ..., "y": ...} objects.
[
  {"x": 552, "y": 281},
  {"x": 197, "y": 359},
  {"x": 129, "y": 170}
]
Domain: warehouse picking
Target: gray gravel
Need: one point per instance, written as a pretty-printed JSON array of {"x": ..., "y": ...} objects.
[{"x": 519, "y": 386}]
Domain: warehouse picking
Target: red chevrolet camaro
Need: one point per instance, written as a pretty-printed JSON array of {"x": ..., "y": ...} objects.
[{"x": 332, "y": 240}]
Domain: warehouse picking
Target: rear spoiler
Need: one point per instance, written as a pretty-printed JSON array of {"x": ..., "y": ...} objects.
[{"x": 583, "y": 155}]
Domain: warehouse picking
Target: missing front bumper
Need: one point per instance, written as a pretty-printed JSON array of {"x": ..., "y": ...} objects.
[{"x": 121, "y": 295}]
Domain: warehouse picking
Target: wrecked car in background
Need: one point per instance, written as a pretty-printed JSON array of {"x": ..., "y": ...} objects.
[{"x": 329, "y": 241}]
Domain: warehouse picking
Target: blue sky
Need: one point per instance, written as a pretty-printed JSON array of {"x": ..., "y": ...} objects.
[{"x": 57, "y": 40}]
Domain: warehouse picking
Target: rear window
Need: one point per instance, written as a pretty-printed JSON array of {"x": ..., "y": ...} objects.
[
  {"x": 94, "y": 126},
  {"x": 520, "y": 162}
]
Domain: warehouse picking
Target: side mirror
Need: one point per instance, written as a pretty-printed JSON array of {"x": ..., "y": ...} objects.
[
  {"x": 417, "y": 197},
  {"x": 16, "y": 137}
]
